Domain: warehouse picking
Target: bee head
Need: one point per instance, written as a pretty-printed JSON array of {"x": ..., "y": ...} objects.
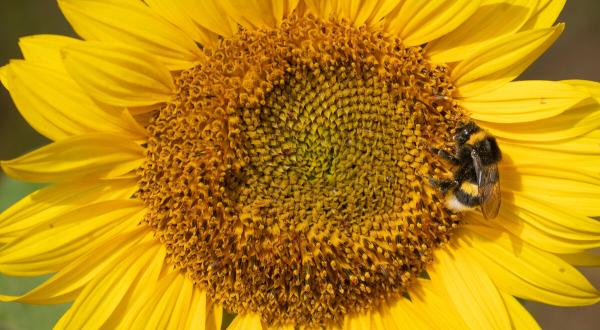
[{"x": 464, "y": 132}]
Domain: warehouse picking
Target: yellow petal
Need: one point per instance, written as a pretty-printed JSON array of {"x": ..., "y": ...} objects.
[
  {"x": 199, "y": 311},
  {"x": 211, "y": 15},
  {"x": 557, "y": 172},
  {"x": 117, "y": 75},
  {"x": 524, "y": 191},
  {"x": 584, "y": 259},
  {"x": 580, "y": 151},
  {"x": 133, "y": 24},
  {"x": 584, "y": 175},
  {"x": 429, "y": 295},
  {"x": 214, "y": 311},
  {"x": 57, "y": 107},
  {"x": 587, "y": 144},
  {"x": 250, "y": 321},
  {"x": 586, "y": 205},
  {"x": 81, "y": 156},
  {"x": 522, "y": 270},
  {"x": 545, "y": 14},
  {"x": 502, "y": 60},
  {"x": 28, "y": 107},
  {"x": 546, "y": 240},
  {"x": 567, "y": 125},
  {"x": 383, "y": 318},
  {"x": 382, "y": 9},
  {"x": 414, "y": 313},
  {"x": 322, "y": 8},
  {"x": 4, "y": 76},
  {"x": 160, "y": 310},
  {"x": 283, "y": 9},
  {"x": 141, "y": 290},
  {"x": 471, "y": 290},
  {"x": 50, "y": 246},
  {"x": 44, "y": 49},
  {"x": 492, "y": 20},
  {"x": 403, "y": 314},
  {"x": 45, "y": 204},
  {"x": 567, "y": 224},
  {"x": 399, "y": 18},
  {"x": 418, "y": 22},
  {"x": 561, "y": 228},
  {"x": 184, "y": 301},
  {"x": 176, "y": 13},
  {"x": 176, "y": 303},
  {"x": 66, "y": 285},
  {"x": 358, "y": 13},
  {"x": 591, "y": 87},
  {"x": 107, "y": 296},
  {"x": 260, "y": 13},
  {"x": 357, "y": 321},
  {"x": 519, "y": 316},
  {"x": 522, "y": 101}
]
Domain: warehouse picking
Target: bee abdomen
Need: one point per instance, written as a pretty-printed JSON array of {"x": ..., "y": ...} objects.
[
  {"x": 464, "y": 197},
  {"x": 467, "y": 199}
]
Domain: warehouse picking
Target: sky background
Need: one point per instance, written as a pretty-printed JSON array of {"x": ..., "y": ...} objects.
[{"x": 574, "y": 56}]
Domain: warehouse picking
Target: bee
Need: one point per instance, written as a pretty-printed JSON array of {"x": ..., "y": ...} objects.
[{"x": 476, "y": 181}]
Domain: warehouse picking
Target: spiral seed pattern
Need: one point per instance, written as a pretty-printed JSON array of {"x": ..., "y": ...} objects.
[{"x": 288, "y": 176}]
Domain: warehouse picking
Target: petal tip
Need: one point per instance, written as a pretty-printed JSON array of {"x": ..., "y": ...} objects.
[{"x": 4, "y": 75}]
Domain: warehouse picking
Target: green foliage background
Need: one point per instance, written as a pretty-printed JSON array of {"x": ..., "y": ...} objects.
[
  {"x": 19, "y": 316},
  {"x": 574, "y": 56}
]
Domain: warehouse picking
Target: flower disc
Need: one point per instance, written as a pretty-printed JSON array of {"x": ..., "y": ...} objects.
[{"x": 289, "y": 175}]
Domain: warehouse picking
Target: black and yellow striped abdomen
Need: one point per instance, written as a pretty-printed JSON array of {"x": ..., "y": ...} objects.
[{"x": 464, "y": 197}]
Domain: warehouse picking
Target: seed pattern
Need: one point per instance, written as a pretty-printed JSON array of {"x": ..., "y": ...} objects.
[{"x": 289, "y": 175}]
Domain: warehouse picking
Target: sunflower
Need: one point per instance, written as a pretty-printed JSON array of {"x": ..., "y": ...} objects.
[{"x": 273, "y": 159}]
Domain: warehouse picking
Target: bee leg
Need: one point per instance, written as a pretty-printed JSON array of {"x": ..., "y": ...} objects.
[
  {"x": 443, "y": 185},
  {"x": 445, "y": 155}
]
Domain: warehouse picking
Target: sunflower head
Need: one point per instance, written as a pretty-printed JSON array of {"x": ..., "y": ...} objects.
[{"x": 292, "y": 174}]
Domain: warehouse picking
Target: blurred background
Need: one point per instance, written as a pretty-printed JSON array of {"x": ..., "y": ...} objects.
[{"x": 574, "y": 56}]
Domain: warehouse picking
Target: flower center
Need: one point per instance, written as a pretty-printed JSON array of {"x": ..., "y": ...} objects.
[{"x": 289, "y": 175}]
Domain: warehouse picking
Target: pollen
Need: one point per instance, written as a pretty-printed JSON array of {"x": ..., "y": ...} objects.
[{"x": 289, "y": 176}]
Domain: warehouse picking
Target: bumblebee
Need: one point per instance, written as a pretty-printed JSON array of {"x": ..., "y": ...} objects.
[{"x": 476, "y": 181}]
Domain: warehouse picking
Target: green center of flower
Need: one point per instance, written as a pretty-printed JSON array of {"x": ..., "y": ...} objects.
[{"x": 289, "y": 175}]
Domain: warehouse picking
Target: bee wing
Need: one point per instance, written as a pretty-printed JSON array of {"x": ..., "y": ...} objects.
[{"x": 488, "y": 182}]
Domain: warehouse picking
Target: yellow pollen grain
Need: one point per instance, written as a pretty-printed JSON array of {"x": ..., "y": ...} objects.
[{"x": 289, "y": 175}]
